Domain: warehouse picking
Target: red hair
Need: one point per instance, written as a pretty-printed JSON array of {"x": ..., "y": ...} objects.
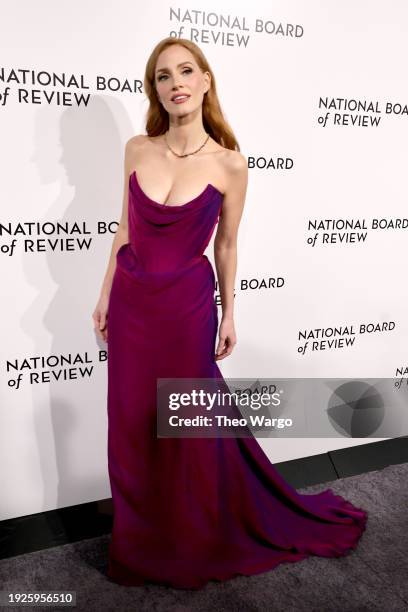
[{"x": 157, "y": 118}]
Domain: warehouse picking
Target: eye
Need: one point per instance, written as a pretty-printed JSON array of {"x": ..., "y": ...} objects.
[{"x": 188, "y": 70}]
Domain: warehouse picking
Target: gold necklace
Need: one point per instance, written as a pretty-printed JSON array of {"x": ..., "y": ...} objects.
[{"x": 185, "y": 154}]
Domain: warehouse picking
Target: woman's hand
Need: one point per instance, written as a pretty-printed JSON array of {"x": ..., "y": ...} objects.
[
  {"x": 100, "y": 317},
  {"x": 227, "y": 339}
]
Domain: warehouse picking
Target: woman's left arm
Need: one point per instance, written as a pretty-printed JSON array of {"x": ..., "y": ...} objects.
[{"x": 225, "y": 249}]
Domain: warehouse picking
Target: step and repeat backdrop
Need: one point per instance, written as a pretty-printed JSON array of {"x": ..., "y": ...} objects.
[{"x": 317, "y": 98}]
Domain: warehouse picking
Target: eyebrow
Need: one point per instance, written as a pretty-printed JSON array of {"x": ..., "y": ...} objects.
[{"x": 181, "y": 64}]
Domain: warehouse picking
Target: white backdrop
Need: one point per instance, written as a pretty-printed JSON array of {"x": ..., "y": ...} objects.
[{"x": 276, "y": 65}]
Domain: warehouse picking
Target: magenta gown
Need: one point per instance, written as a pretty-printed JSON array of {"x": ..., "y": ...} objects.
[{"x": 190, "y": 510}]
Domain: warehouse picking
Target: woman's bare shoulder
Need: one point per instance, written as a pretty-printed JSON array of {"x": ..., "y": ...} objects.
[
  {"x": 235, "y": 167},
  {"x": 137, "y": 146},
  {"x": 235, "y": 161},
  {"x": 235, "y": 175},
  {"x": 136, "y": 141},
  {"x": 231, "y": 159}
]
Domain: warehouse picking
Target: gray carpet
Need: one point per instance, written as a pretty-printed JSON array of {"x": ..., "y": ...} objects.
[{"x": 373, "y": 577}]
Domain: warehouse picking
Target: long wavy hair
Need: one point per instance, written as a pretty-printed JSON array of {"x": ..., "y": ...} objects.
[{"x": 157, "y": 118}]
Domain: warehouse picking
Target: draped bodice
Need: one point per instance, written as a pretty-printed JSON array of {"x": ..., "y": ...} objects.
[{"x": 166, "y": 238}]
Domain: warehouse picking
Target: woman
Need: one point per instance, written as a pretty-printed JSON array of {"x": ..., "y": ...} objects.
[{"x": 187, "y": 511}]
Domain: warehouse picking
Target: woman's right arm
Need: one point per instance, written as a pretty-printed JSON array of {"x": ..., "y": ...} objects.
[{"x": 100, "y": 314}]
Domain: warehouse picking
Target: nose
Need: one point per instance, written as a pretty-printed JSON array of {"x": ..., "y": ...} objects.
[{"x": 176, "y": 81}]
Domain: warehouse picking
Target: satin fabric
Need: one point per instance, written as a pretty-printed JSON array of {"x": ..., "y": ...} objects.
[{"x": 190, "y": 510}]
